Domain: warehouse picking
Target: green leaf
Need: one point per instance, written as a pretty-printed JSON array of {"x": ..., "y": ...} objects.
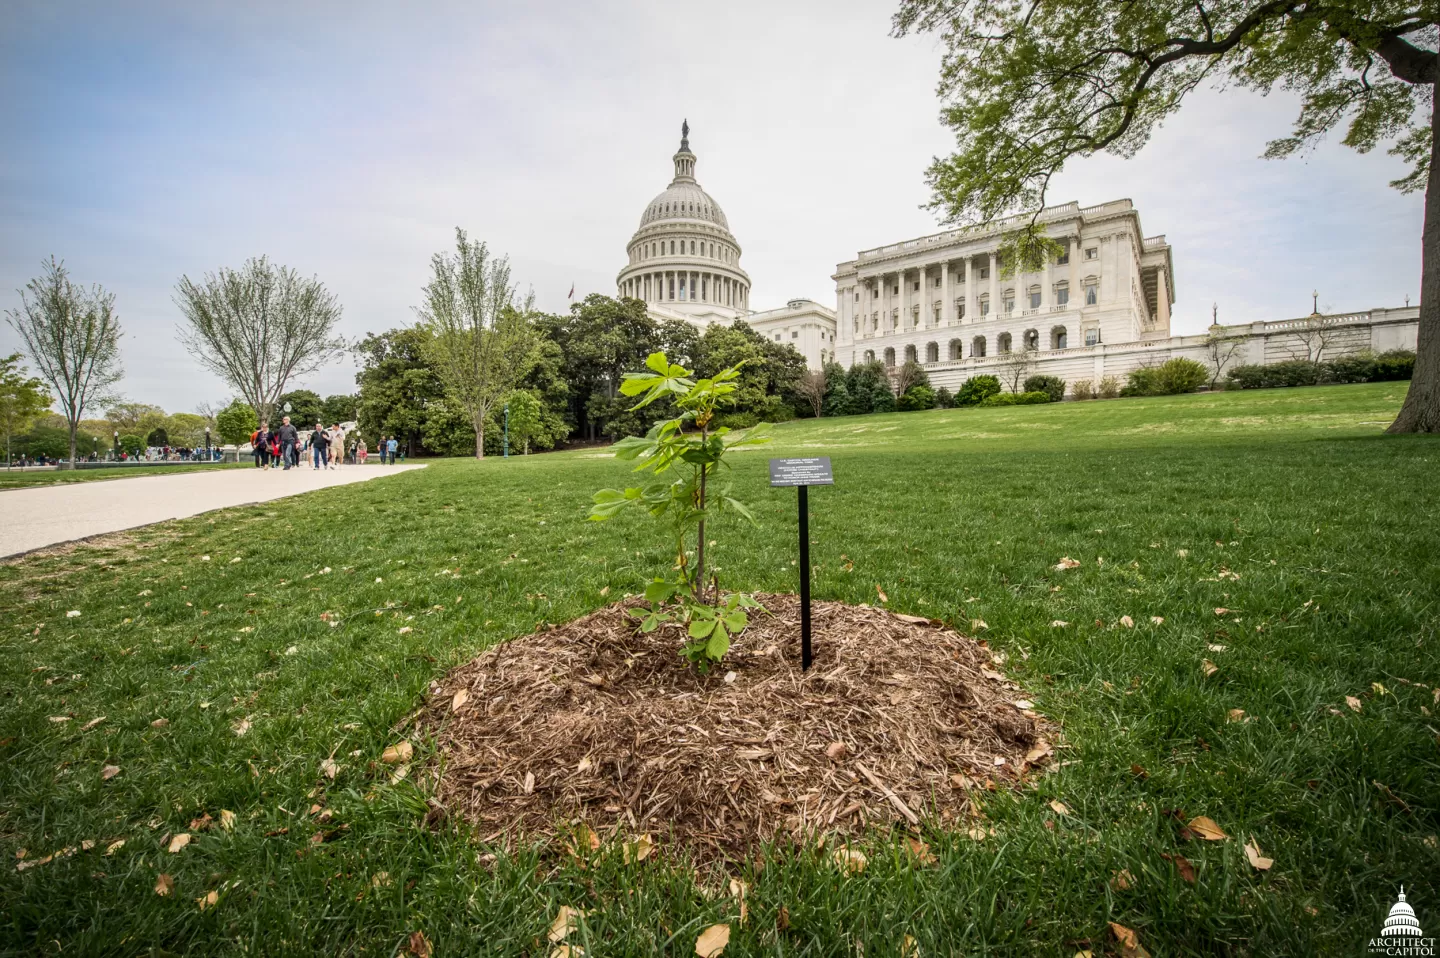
[
  {"x": 609, "y": 495},
  {"x": 736, "y": 621},
  {"x": 739, "y": 507},
  {"x": 718, "y": 645},
  {"x": 699, "y": 628},
  {"x": 658, "y": 362},
  {"x": 660, "y": 591}
]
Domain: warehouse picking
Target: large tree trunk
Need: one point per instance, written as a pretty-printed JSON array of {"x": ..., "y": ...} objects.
[
  {"x": 1421, "y": 411},
  {"x": 73, "y": 426},
  {"x": 480, "y": 438}
]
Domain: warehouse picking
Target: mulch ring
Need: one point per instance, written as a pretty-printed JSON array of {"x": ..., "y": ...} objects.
[{"x": 593, "y": 728}]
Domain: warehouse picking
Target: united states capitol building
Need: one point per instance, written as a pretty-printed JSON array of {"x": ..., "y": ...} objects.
[{"x": 1100, "y": 306}]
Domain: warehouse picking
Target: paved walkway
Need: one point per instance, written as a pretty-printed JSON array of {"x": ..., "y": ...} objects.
[{"x": 44, "y": 516}]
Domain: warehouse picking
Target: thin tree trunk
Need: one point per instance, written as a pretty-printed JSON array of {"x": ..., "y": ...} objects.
[
  {"x": 73, "y": 424},
  {"x": 1421, "y": 411},
  {"x": 480, "y": 440}
]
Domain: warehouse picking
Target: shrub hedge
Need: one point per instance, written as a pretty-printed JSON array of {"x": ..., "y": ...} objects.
[
  {"x": 1052, "y": 386},
  {"x": 1016, "y": 399},
  {"x": 1364, "y": 367},
  {"x": 977, "y": 390}
]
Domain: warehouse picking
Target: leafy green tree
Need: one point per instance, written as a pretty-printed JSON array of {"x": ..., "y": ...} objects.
[
  {"x": 524, "y": 415},
  {"x": 73, "y": 336},
  {"x": 338, "y": 408},
  {"x": 400, "y": 392},
  {"x": 236, "y": 422},
  {"x": 481, "y": 344},
  {"x": 1026, "y": 86},
  {"x": 22, "y": 399},
  {"x": 134, "y": 417},
  {"x": 837, "y": 390},
  {"x": 259, "y": 328},
  {"x": 770, "y": 372},
  {"x": 53, "y": 442},
  {"x": 944, "y": 399},
  {"x": 869, "y": 385},
  {"x": 185, "y": 429},
  {"x": 158, "y": 437},
  {"x": 601, "y": 339},
  {"x": 132, "y": 444},
  {"x": 684, "y": 504},
  {"x": 305, "y": 409}
]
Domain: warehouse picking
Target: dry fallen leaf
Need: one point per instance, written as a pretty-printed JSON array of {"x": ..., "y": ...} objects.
[
  {"x": 109, "y": 772},
  {"x": 114, "y": 846},
  {"x": 850, "y": 860},
  {"x": 418, "y": 945},
  {"x": 921, "y": 851},
  {"x": 163, "y": 884},
  {"x": 1123, "y": 880},
  {"x": 179, "y": 842},
  {"x": 399, "y": 752},
  {"x": 1259, "y": 862},
  {"x": 1353, "y": 702},
  {"x": 241, "y": 727},
  {"x": 459, "y": 700},
  {"x": 1066, "y": 563},
  {"x": 977, "y": 833},
  {"x": 227, "y": 819},
  {"x": 1235, "y": 715},
  {"x": 1038, "y": 752},
  {"x": 883, "y": 598},
  {"x": 738, "y": 891},
  {"x": 1157, "y": 619},
  {"x": 567, "y": 919},
  {"x": 1058, "y": 624},
  {"x": 1059, "y": 807},
  {"x": 712, "y": 941},
  {"x": 1208, "y": 667},
  {"x": 1129, "y": 942},
  {"x": 1182, "y": 865},
  {"x": 208, "y": 899},
  {"x": 1207, "y": 829},
  {"x": 977, "y": 625},
  {"x": 639, "y": 849},
  {"x": 1126, "y": 621},
  {"x": 329, "y": 768},
  {"x": 96, "y": 721},
  {"x": 835, "y": 751},
  {"x": 380, "y": 880},
  {"x": 160, "y": 723},
  {"x": 1222, "y": 611}
]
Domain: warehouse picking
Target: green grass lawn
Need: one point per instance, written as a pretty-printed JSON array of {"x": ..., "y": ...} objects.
[
  {"x": 16, "y": 479},
  {"x": 1288, "y": 508}
]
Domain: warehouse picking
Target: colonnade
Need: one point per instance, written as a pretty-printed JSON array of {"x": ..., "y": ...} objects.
[{"x": 687, "y": 286}]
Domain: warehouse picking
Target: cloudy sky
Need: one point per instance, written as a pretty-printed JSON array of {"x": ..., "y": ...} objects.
[{"x": 349, "y": 139}]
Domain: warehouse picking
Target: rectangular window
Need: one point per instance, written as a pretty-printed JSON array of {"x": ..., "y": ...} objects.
[
  {"x": 1092, "y": 336},
  {"x": 917, "y": 286},
  {"x": 1091, "y": 253},
  {"x": 1009, "y": 305},
  {"x": 857, "y": 297},
  {"x": 1063, "y": 258},
  {"x": 984, "y": 272},
  {"x": 1090, "y": 295},
  {"x": 672, "y": 287},
  {"x": 1035, "y": 300},
  {"x": 1062, "y": 296},
  {"x": 960, "y": 311},
  {"x": 984, "y": 307},
  {"x": 795, "y": 335},
  {"x": 937, "y": 282}
]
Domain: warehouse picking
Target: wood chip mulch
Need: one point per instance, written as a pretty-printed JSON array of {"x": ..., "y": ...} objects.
[{"x": 594, "y": 724}]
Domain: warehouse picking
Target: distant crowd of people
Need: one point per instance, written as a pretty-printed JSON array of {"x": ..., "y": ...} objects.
[{"x": 323, "y": 448}]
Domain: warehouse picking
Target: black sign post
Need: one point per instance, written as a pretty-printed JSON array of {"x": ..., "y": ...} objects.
[{"x": 803, "y": 473}]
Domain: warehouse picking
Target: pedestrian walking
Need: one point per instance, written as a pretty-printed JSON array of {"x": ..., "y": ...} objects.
[
  {"x": 288, "y": 437},
  {"x": 260, "y": 444},
  {"x": 337, "y": 446},
  {"x": 360, "y": 452},
  {"x": 319, "y": 447},
  {"x": 390, "y": 447}
]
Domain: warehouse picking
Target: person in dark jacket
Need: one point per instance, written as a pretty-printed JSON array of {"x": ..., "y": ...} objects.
[
  {"x": 289, "y": 437},
  {"x": 261, "y": 443},
  {"x": 320, "y": 447}
]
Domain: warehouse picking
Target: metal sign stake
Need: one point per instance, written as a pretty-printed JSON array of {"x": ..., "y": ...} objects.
[{"x": 803, "y": 473}]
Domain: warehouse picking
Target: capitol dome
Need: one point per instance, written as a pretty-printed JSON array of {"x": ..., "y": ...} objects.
[
  {"x": 683, "y": 259},
  {"x": 1401, "y": 921}
]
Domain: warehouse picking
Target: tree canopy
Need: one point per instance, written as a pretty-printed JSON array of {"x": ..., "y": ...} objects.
[
  {"x": 22, "y": 398},
  {"x": 1027, "y": 85}
]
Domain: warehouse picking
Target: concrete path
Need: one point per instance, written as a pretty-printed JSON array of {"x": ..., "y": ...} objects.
[{"x": 35, "y": 518}]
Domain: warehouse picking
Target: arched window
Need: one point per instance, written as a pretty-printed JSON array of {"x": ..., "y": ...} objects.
[
  {"x": 932, "y": 352},
  {"x": 1002, "y": 343},
  {"x": 1032, "y": 339},
  {"x": 869, "y": 355},
  {"x": 1035, "y": 297},
  {"x": 977, "y": 347},
  {"x": 1059, "y": 338},
  {"x": 1092, "y": 290},
  {"x": 692, "y": 247},
  {"x": 954, "y": 349},
  {"x": 889, "y": 356},
  {"x": 672, "y": 247},
  {"x": 910, "y": 354}
]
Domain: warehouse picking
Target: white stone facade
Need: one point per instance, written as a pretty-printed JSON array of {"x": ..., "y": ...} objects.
[{"x": 942, "y": 301}]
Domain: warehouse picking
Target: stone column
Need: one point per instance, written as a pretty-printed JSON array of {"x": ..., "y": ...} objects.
[
  {"x": 972, "y": 298},
  {"x": 1045, "y": 296},
  {"x": 946, "y": 295},
  {"x": 903, "y": 285},
  {"x": 994, "y": 284}
]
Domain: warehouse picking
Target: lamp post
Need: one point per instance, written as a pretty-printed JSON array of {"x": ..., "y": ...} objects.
[
  {"x": 116, "y": 453},
  {"x": 507, "y": 431},
  {"x": 207, "y": 444}
]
